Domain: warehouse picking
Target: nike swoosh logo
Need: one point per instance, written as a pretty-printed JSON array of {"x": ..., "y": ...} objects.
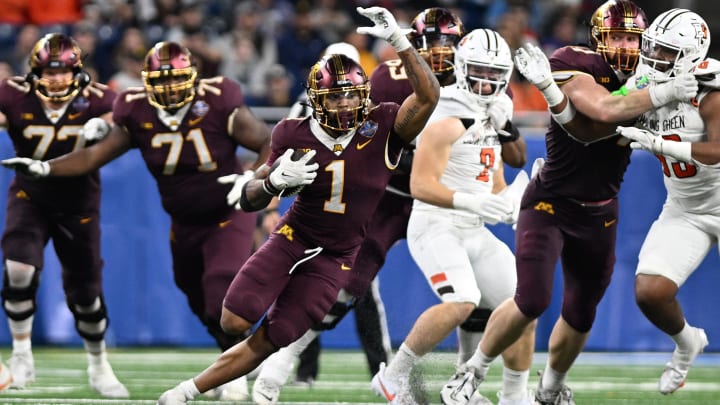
[
  {"x": 343, "y": 267},
  {"x": 196, "y": 120},
  {"x": 268, "y": 397},
  {"x": 608, "y": 224},
  {"x": 73, "y": 116},
  {"x": 390, "y": 397},
  {"x": 361, "y": 145},
  {"x": 223, "y": 224}
]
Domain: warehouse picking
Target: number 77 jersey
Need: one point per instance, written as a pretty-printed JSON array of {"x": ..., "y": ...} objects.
[{"x": 692, "y": 187}]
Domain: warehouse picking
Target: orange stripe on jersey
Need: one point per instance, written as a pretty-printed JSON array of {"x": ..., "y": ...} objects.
[{"x": 438, "y": 278}]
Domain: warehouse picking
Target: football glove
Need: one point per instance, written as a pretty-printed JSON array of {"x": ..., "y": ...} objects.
[
  {"x": 513, "y": 194},
  {"x": 238, "y": 181},
  {"x": 646, "y": 140},
  {"x": 95, "y": 129},
  {"x": 682, "y": 87},
  {"x": 492, "y": 208},
  {"x": 499, "y": 112},
  {"x": 385, "y": 27},
  {"x": 292, "y": 173},
  {"x": 28, "y": 167},
  {"x": 532, "y": 63}
]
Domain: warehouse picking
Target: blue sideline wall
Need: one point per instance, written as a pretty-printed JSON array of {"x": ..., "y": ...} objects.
[{"x": 146, "y": 308}]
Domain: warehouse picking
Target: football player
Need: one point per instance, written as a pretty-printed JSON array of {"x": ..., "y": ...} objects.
[
  {"x": 677, "y": 43},
  {"x": 434, "y": 33},
  {"x": 353, "y": 147},
  {"x": 454, "y": 170},
  {"x": 51, "y": 112},
  {"x": 188, "y": 131},
  {"x": 570, "y": 209}
]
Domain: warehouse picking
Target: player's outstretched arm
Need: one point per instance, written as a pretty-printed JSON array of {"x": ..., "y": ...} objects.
[{"x": 416, "y": 109}]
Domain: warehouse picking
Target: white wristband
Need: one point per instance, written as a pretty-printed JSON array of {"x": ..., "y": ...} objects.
[
  {"x": 463, "y": 201},
  {"x": 552, "y": 93},
  {"x": 566, "y": 115},
  {"x": 399, "y": 41},
  {"x": 681, "y": 151}
]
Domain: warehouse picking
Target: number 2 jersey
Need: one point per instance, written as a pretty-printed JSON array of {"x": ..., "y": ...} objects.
[{"x": 35, "y": 135}]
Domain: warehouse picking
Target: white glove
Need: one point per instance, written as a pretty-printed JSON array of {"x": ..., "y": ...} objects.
[
  {"x": 683, "y": 87},
  {"x": 290, "y": 173},
  {"x": 513, "y": 195},
  {"x": 646, "y": 140},
  {"x": 499, "y": 115},
  {"x": 385, "y": 27},
  {"x": 95, "y": 129},
  {"x": 238, "y": 181},
  {"x": 492, "y": 208},
  {"x": 27, "y": 166},
  {"x": 537, "y": 166}
]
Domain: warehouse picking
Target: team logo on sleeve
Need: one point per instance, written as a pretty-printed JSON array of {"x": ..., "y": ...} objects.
[
  {"x": 81, "y": 104},
  {"x": 200, "y": 109},
  {"x": 368, "y": 129}
]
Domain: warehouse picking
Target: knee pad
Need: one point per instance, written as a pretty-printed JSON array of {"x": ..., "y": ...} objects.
[
  {"x": 20, "y": 285},
  {"x": 477, "y": 321},
  {"x": 90, "y": 320},
  {"x": 345, "y": 302}
]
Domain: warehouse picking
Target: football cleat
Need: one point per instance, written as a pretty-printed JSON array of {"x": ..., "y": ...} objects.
[
  {"x": 235, "y": 390},
  {"x": 461, "y": 387},
  {"x": 103, "y": 380},
  {"x": 22, "y": 368},
  {"x": 265, "y": 392},
  {"x": 564, "y": 396},
  {"x": 5, "y": 377},
  {"x": 392, "y": 391},
  {"x": 173, "y": 396},
  {"x": 527, "y": 400},
  {"x": 676, "y": 370}
]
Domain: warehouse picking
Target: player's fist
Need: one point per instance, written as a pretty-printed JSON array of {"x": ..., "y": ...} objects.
[
  {"x": 27, "y": 166},
  {"x": 95, "y": 129}
]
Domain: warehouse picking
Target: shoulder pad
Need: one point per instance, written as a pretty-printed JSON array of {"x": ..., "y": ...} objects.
[{"x": 707, "y": 73}]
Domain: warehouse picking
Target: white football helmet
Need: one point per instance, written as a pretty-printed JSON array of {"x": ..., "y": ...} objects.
[
  {"x": 483, "y": 57},
  {"x": 676, "y": 41}
]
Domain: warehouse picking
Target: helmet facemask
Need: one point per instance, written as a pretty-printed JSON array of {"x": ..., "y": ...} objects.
[
  {"x": 339, "y": 92},
  {"x": 481, "y": 76},
  {"x": 169, "y": 76},
  {"x": 61, "y": 54},
  {"x": 676, "y": 41},
  {"x": 617, "y": 18}
]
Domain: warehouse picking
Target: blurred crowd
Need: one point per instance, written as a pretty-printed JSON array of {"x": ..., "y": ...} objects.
[{"x": 266, "y": 45}]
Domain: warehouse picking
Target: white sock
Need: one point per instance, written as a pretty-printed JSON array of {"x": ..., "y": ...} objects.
[
  {"x": 467, "y": 344},
  {"x": 22, "y": 345},
  {"x": 685, "y": 337},
  {"x": 401, "y": 364},
  {"x": 551, "y": 379},
  {"x": 514, "y": 384},
  {"x": 189, "y": 389},
  {"x": 481, "y": 362}
]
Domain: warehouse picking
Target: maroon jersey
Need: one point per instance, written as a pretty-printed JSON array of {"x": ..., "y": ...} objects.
[
  {"x": 389, "y": 84},
  {"x": 35, "y": 136},
  {"x": 334, "y": 210},
  {"x": 586, "y": 172},
  {"x": 186, "y": 161}
]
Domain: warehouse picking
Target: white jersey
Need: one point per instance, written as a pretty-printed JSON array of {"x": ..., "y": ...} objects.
[
  {"x": 691, "y": 187},
  {"x": 475, "y": 155}
]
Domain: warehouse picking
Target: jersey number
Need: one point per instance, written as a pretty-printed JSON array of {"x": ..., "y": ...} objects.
[
  {"x": 681, "y": 170},
  {"x": 396, "y": 69},
  {"x": 487, "y": 159},
  {"x": 176, "y": 140},
  {"x": 335, "y": 203},
  {"x": 47, "y": 134}
]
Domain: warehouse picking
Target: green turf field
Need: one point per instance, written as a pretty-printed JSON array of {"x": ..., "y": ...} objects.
[{"x": 596, "y": 379}]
